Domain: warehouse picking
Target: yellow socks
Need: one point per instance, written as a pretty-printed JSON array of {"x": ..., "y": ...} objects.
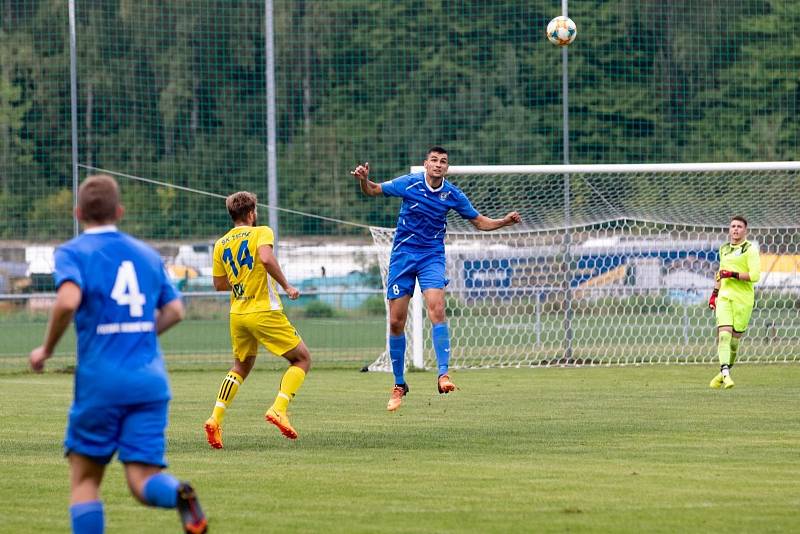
[
  {"x": 290, "y": 383},
  {"x": 292, "y": 380},
  {"x": 734, "y": 349},
  {"x": 724, "y": 348},
  {"x": 227, "y": 391}
]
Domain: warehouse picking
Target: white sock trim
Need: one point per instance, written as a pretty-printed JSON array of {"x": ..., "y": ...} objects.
[{"x": 283, "y": 395}]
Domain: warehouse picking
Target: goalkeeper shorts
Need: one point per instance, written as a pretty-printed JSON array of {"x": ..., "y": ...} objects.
[{"x": 734, "y": 314}]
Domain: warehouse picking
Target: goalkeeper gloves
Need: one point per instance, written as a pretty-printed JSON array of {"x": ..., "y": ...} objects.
[
  {"x": 712, "y": 302},
  {"x": 728, "y": 274}
]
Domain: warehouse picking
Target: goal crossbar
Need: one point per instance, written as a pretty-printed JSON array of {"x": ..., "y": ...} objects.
[
  {"x": 611, "y": 263},
  {"x": 622, "y": 168}
]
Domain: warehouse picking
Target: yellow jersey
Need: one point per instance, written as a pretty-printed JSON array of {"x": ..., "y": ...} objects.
[
  {"x": 236, "y": 257},
  {"x": 741, "y": 258}
]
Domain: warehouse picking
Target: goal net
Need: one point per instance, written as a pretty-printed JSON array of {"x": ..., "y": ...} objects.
[{"x": 613, "y": 264}]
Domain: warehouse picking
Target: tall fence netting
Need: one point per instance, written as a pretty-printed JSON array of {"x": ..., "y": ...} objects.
[
  {"x": 627, "y": 282},
  {"x": 176, "y": 92}
]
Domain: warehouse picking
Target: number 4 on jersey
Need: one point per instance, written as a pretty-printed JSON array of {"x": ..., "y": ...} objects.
[{"x": 126, "y": 289}]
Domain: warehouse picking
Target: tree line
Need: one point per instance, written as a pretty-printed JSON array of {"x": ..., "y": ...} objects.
[{"x": 176, "y": 92}]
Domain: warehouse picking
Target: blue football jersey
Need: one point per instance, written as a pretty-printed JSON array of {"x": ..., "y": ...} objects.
[
  {"x": 422, "y": 222},
  {"x": 123, "y": 283}
]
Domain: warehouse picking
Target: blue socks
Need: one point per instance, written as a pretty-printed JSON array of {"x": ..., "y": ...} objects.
[
  {"x": 161, "y": 490},
  {"x": 397, "y": 353},
  {"x": 441, "y": 345},
  {"x": 87, "y": 517}
]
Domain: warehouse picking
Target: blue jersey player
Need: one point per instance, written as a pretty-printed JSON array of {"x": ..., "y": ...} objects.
[
  {"x": 418, "y": 254},
  {"x": 116, "y": 288}
]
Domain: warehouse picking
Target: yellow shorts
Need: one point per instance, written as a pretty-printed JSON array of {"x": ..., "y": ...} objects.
[
  {"x": 734, "y": 314},
  {"x": 271, "y": 329}
]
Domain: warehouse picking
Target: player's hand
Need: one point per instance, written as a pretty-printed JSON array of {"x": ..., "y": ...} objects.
[
  {"x": 728, "y": 274},
  {"x": 361, "y": 172},
  {"x": 292, "y": 292},
  {"x": 37, "y": 359},
  {"x": 712, "y": 301},
  {"x": 512, "y": 218}
]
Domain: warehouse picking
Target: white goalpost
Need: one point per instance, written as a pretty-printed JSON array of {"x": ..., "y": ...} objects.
[{"x": 613, "y": 264}]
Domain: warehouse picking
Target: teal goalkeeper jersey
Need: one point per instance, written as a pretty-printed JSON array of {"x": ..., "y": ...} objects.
[{"x": 741, "y": 258}]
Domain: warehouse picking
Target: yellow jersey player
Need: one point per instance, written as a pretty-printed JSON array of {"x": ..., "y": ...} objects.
[
  {"x": 732, "y": 298},
  {"x": 245, "y": 265}
]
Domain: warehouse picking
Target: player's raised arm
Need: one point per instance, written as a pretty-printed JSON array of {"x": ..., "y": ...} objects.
[
  {"x": 486, "y": 224},
  {"x": 368, "y": 187}
]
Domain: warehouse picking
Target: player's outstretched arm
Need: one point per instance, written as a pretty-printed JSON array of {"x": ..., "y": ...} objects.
[
  {"x": 169, "y": 315},
  {"x": 68, "y": 298},
  {"x": 368, "y": 187},
  {"x": 267, "y": 257},
  {"x": 486, "y": 224}
]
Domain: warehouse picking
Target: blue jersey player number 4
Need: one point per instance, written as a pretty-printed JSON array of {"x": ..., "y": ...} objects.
[
  {"x": 418, "y": 256},
  {"x": 121, "y": 298}
]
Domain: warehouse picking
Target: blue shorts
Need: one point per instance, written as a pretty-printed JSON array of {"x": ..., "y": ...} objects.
[
  {"x": 406, "y": 267},
  {"x": 137, "y": 431}
]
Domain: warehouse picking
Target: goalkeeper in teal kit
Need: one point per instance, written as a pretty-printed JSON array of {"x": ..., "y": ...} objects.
[
  {"x": 732, "y": 298},
  {"x": 418, "y": 255}
]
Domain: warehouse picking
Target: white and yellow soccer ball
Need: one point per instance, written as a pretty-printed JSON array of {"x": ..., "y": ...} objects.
[{"x": 561, "y": 31}]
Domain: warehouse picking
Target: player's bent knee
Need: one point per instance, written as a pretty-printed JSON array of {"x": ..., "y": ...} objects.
[
  {"x": 299, "y": 356},
  {"x": 437, "y": 314},
  {"x": 137, "y": 474},
  {"x": 243, "y": 367},
  {"x": 397, "y": 326}
]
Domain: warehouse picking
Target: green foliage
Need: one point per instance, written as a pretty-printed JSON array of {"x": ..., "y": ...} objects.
[
  {"x": 319, "y": 309},
  {"x": 176, "y": 92},
  {"x": 51, "y": 218},
  {"x": 374, "y": 305}
]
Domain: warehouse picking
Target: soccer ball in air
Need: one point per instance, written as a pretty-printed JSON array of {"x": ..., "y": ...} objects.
[{"x": 561, "y": 31}]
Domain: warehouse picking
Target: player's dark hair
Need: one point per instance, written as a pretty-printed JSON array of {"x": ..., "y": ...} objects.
[
  {"x": 437, "y": 149},
  {"x": 98, "y": 199},
  {"x": 740, "y": 219},
  {"x": 240, "y": 204}
]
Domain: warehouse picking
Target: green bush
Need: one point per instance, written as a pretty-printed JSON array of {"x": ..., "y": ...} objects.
[
  {"x": 318, "y": 308},
  {"x": 374, "y": 305}
]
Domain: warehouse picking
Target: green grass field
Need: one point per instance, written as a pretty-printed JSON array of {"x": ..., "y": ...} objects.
[
  {"x": 357, "y": 339},
  {"x": 197, "y": 342},
  {"x": 621, "y": 449}
]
